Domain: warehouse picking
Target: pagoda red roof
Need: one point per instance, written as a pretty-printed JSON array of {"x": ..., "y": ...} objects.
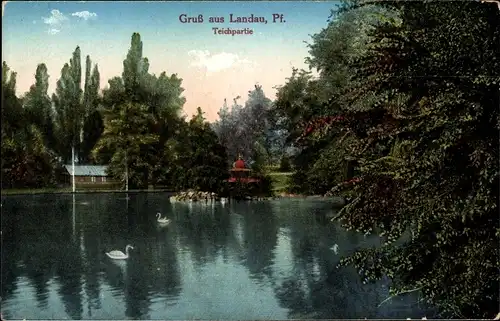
[{"x": 239, "y": 164}]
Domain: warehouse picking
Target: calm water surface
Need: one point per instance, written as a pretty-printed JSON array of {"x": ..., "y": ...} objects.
[{"x": 261, "y": 260}]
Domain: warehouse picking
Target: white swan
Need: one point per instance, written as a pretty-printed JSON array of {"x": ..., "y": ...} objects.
[
  {"x": 162, "y": 220},
  {"x": 119, "y": 255}
]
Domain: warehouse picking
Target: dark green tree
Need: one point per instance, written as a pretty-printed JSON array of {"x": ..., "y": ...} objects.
[
  {"x": 204, "y": 159},
  {"x": 424, "y": 122},
  {"x": 93, "y": 125},
  {"x": 13, "y": 116},
  {"x": 69, "y": 110},
  {"x": 126, "y": 133},
  {"x": 318, "y": 159},
  {"x": 162, "y": 97},
  {"x": 26, "y": 161},
  {"x": 246, "y": 130},
  {"x": 38, "y": 106}
]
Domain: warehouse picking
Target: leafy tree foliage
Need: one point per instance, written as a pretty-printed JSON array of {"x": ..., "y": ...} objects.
[
  {"x": 420, "y": 115},
  {"x": 205, "y": 158},
  {"x": 226, "y": 127},
  {"x": 429, "y": 148},
  {"x": 135, "y": 127},
  {"x": 247, "y": 130},
  {"x": 285, "y": 165},
  {"x": 26, "y": 160},
  {"x": 69, "y": 108},
  {"x": 161, "y": 98},
  {"x": 304, "y": 99},
  {"x": 191, "y": 156},
  {"x": 93, "y": 125},
  {"x": 13, "y": 116},
  {"x": 126, "y": 133},
  {"x": 38, "y": 106}
]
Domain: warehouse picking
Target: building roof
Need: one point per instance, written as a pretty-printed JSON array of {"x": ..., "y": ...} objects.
[
  {"x": 239, "y": 164},
  {"x": 87, "y": 170}
]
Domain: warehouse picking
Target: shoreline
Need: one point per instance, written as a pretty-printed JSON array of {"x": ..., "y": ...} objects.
[
  {"x": 41, "y": 191},
  {"x": 279, "y": 179}
]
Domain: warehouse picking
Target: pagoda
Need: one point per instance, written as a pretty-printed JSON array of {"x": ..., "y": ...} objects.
[{"x": 241, "y": 173}]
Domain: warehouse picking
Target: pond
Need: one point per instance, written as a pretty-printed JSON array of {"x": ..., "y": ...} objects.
[{"x": 248, "y": 260}]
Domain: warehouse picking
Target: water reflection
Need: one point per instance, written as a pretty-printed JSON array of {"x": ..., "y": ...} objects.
[
  {"x": 260, "y": 237},
  {"x": 263, "y": 260}
]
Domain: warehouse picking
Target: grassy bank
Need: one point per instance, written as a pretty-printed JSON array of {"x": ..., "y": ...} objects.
[{"x": 281, "y": 181}]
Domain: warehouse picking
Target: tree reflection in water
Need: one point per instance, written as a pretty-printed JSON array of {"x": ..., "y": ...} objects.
[
  {"x": 210, "y": 260},
  {"x": 316, "y": 289},
  {"x": 260, "y": 235},
  {"x": 205, "y": 234}
]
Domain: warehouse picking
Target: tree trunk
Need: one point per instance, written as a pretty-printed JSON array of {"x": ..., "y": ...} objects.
[
  {"x": 73, "y": 167},
  {"x": 126, "y": 171}
]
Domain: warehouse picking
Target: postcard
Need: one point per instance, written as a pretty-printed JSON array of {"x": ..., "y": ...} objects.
[{"x": 250, "y": 160}]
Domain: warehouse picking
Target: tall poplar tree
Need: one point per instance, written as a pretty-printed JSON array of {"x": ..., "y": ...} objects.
[
  {"x": 69, "y": 108},
  {"x": 38, "y": 106},
  {"x": 161, "y": 95},
  {"x": 26, "y": 162},
  {"x": 93, "y": 125}
]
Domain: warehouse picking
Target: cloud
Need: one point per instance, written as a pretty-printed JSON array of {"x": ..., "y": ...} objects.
[
  {"x": 216, "y": 62},
  {"x": 85, "y": 15},
  {"x": 53, "y": 31},
  {"x": 55, "y": 21},
  {"x": 56, "y": 18}
]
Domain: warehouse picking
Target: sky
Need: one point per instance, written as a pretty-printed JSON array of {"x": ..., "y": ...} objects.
[{"x": 213, "y": 66}]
